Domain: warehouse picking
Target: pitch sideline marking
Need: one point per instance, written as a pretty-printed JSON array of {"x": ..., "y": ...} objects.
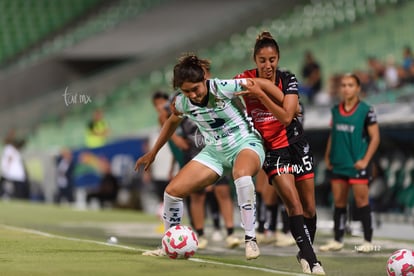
[{"x": 49, "y": 235}]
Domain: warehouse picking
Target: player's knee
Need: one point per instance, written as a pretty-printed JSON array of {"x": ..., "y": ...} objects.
[
  {"x": 309, "y": 213},
  {"x": 294, "y": 209},
  {"x": 173, "y": 191},
  {"x": 361, "y": 201}
]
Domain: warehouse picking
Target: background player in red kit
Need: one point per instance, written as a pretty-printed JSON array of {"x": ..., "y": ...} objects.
[{"x": 289, "y": 163}]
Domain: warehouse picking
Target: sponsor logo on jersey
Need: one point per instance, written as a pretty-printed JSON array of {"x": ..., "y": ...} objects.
[
  {"x": 345, "y": 128},
  {"x": 260, "y": 115}
]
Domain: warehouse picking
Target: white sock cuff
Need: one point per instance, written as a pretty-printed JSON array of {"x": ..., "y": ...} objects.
[
  {"x": 243, "y": 181},
  {"x": 171, "y": 198}
]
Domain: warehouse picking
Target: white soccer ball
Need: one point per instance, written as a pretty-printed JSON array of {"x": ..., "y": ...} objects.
[
  {"x": 401, "y": 263},
  {"x": 180, "y": 242},
  {"x": 112, "y": 240}
]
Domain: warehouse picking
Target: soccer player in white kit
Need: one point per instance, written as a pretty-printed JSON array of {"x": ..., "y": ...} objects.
[{"x": 231, "y": 143}]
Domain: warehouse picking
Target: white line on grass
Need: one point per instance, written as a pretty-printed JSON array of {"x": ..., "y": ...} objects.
[{"x": 49, "y": 235}]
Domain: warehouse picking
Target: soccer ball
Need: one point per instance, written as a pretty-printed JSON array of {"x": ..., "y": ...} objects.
[
  {"x": 401, "y": 263},
  {"x": 180, "y": 242}
]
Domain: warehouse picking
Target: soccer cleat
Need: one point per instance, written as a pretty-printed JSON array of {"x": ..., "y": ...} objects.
[
  {"x": 316, "y": 269},
  {"x": 202, "y": 242},
  {"x": 332, "y": 246},
  {"x": 366, "y": 247},
  {"x": 159, "y": 252},
  {"x": 305, "y": 266},
  {"x": 252, "y": 250},
  {"x": 266, "y": 237},
  {"x": 260, "y": 238},
  {"x": 217, "y": 236},
  {"x": 283, "y": 240},
  {"x": 232, "y": 241},
  {"x": 269, "y": 237}
]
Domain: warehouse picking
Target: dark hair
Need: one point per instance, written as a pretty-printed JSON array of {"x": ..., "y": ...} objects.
[
  {"x": 265, "y": 39},
  {"x": 159, "y": 95},
  {"x": 354, "y": 76},
  {"x": 206, "y": 64},
  {"x": 189, "y": 68}
]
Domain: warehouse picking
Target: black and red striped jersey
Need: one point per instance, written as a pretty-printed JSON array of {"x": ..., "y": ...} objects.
[{"x": 274, "y": 133}]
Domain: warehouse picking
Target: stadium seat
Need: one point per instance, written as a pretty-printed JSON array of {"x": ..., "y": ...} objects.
[
  {"x": 25, "y": 23},
  {"x": 118, "y": 12},
  {"x": 340, "y": 54}
]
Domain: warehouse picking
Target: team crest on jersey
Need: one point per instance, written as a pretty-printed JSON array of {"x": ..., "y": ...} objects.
[
  {"x": 220, "y": 103},
  {"x": 306, "y": 149},
  {"x": 295, "y": 132}
]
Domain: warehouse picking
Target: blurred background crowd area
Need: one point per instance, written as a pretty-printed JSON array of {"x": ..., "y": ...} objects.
[{"x": 63, "y": 61}]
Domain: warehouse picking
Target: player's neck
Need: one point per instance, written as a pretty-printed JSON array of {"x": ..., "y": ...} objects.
[{"x": 349, "y": 104}]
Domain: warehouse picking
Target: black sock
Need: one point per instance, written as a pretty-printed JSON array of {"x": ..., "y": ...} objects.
[
  {"x": 272, "y": 212},
  {"x": 366, "y": 220},
  {"x": 248, "y": 238},
  {"x": 285, "y": 220},
  {"x": 260, "y": 213},
  {"x": 200, "y": 232},
  {"x": 310, "y": 224},
  {"x": 230, "y": 231},
  {"x": 298, "y": 232},
  {"x": 339, "y": 223}
]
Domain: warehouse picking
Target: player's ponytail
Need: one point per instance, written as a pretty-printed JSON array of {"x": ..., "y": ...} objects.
[
  {"x": 265, "y": 39},
  {"x": 189, "y": 68}
]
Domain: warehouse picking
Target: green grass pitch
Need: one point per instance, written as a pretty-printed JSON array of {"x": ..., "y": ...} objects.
[{"x": 39, "y": 239}]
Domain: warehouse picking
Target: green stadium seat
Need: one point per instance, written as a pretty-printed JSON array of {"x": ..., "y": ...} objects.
[{"x": 25, "y": 23}]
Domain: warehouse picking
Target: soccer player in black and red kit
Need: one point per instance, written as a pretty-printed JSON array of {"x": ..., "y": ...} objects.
[{"x": 289, "y": 163}]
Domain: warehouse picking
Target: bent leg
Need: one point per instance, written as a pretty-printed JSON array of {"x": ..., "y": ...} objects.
[
  {"x": 306, "y": 190},
  {"x": 190, "y": 178},
  {"x": 246, "y": 165}
]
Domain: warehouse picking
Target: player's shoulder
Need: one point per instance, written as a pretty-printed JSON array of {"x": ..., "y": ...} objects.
[
  {"x": 285, "y": 74},
  {"x": 177, "y": 103},
  {"x": 366, "y": 105}
]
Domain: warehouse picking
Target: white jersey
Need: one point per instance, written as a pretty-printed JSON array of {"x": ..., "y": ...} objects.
[
  {"x": 12, "y": 166},
  {"x": 222, "y": 121},
  {"x": 160, "y": 168}
]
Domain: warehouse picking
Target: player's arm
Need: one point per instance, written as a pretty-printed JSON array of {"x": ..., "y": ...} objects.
[
  {"x": 284, "y": 112},
  {"x": 271, "y": 90},
  {"x": 328, "y": 153},
  {"x": 374, "y": 140},
  {"x": 167, "y": 131}
]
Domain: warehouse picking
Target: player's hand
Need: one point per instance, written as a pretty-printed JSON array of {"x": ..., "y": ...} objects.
[
  {"x": 360, "y": 164},
  {"x": 328, "y": 164},
  {"x": 145, "y": 160},
  {"x": 251, "y": 89}
]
